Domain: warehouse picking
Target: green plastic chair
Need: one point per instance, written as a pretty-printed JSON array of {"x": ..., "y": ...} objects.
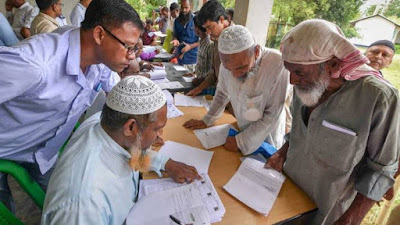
[{"x": 27, "y": 184}]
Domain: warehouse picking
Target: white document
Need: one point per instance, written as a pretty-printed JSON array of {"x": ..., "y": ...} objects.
[
  {"x": 149, "y": 48},
  {"x": 183, "y": 100},
  {"x": 169, "y": 97},
  {"x": 191, "y": 156},
  {"x": 159, "y": 34},
  {"x": 157, "y": 74},
  {"x": 180, "y": 68},
  {"x": 164, "y": 55},
  {"x": 182, "y": 202},
  {"x": 255, "y": 186},
  {"x": 213, "y": 136},
  {"x": 170, "y": 85},
  {"x": 160, "y": 81},
  {"x": 173, "y": 112},
  {"x": 208, "y": 194}
]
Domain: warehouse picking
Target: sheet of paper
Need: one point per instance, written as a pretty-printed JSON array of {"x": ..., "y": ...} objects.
[
  {"x": 212, "y": 137},
  {"x": 159, "y": 34},
  {"x": 258, "y": 157},
  {"x": 183, "y": 202},
  {"x": 149, "y": 48},
  {"x": 173, "y": 111},
  {"x": 180, "y": 68},
  {"x": 160, "y": 81},
  {"x": 164, "y": 55},
  {"x": 157, "y": 74},
  {"x": 208, "y": 194},
  {"x": 189, "y": 155},
  {"x": 170, "y": 85},
  {"x": 183, "y": 100},
  {"x": 158, "y": 67},
  {"x": 255, "y": 186}
]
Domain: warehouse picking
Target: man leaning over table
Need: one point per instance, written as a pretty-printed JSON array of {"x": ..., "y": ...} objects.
[
  {"x": 96, "y": 179},
  {"x": 49, "y": 80},
  {"x": 343, "y": 147},
  {"x": 255, "y": 81}
]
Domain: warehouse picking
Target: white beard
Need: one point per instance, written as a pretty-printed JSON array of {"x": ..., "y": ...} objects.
[
  {"x": 140, "y": 160},
  {"x": 311, "y": 95}
]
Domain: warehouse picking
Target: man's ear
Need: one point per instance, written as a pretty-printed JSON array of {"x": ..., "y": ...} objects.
[
  {"x": 334, "y": 65},
  {"x": 130, "y": 128},
  {"x": 257, "y": 51},
  {"x": 221, "y": 19},
  {"x": 98, "y": 34}
]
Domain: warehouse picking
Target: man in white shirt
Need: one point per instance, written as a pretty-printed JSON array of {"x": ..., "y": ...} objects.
[
  {"x": 21, "y": 18},
  {"x": 78, "y": 12},
  {"x": 255, "y": 81}
]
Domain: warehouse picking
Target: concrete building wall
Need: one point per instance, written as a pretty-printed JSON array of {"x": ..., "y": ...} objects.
[{"x": 373, "y": 29}]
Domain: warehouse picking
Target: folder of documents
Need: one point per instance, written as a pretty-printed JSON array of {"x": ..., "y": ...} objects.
[{"x": 255, "y": 186}]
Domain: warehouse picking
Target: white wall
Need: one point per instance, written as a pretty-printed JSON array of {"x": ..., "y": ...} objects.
[
  {"x": 68, "y": 6},
  {"x": 373, "y": 29}
]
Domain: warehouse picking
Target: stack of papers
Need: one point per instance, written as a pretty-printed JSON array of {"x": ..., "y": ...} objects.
[
  {"x": 198, "y": 101},
  {"x": 255, "y": 186},
  {"x": 180, "y": 68},
  {"x": 196, "y": 157},
  {"x": 172, "y": 111},
  {"x": 158, "y": 74},
  {"x": 170, "y": 85},
  {"x": 213, "y": 136}
]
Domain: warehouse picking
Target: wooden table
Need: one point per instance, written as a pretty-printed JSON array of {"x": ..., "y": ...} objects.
[{"x": 291, "y": 201}]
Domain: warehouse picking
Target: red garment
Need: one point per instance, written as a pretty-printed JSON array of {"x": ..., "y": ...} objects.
[{"x": 148, "y": 37}]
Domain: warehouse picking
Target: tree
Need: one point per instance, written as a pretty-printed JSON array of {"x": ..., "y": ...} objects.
[{"x": 393, "y": 9}]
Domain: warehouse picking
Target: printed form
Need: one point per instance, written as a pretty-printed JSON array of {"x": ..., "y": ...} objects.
[{"x": 213, "y": 136}]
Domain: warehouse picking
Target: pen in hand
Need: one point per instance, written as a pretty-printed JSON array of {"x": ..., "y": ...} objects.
[{"x": 176, "y": 220}]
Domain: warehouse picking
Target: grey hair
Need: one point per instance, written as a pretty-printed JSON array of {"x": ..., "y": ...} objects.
[
  {"x": 251, "y": 50},
  {"x": 115, "y": 120}
]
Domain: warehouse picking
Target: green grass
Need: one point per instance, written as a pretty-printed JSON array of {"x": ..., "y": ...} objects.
[{"x": 392, "y": 74}]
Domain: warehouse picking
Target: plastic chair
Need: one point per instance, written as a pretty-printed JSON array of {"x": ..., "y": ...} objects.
[{"x": 27, "y": 184}]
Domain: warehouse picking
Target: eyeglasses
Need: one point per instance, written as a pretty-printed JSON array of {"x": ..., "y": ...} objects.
[{"x": 130, "y": 49}]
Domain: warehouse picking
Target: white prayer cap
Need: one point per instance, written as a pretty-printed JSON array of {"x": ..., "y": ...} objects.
[
  {"x": 136, "y": 95},
  {"x": 235, "y": 39}
]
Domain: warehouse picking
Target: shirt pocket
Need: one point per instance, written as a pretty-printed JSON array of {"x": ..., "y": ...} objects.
[
  {"x": 335, "y": 146},
  {"x": 253, "y": 107}
]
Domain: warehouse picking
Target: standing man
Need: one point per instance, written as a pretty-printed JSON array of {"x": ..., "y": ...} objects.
[
  {"x": 109, "y": 152},
  {"x": 255, "y": 81},
  {"x": 78, "y": 12},
  {"x": 174, "y": 13},
  {"x": 21, "y": 18},
  {"x": 343, "y": 148},
  {"x": 39, "y": 108},
  {"x": 380, "y": 54},
  {"x": 213, "y": 17},
  {"x": 185, "y": 39},
  {"x": 46, "y": 21}
]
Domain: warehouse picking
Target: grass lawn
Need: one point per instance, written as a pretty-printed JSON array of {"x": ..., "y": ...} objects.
[{"x": 392, "y": 74}]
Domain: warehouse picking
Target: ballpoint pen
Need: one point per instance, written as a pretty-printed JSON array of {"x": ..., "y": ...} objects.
[{"x": 176, "y": 220}]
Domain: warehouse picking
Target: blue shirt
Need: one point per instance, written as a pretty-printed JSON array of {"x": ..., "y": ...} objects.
[
  {"x": 77, "y": 14},
  {"x": 43, "y": 93},
  {"x": 185, "y": 33},
  {"x": 92, "y": 182}
]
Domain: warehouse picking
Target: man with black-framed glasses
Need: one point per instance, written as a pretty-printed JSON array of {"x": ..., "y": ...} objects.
[{"x": 49, "y": 80}]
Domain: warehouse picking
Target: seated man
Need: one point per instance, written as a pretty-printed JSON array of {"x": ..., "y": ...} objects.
[
  {"x": 96, "y": 179},
  {"x": 21, "y": 18},
  {"x": 380, "y": 54},
  {"x": 343, "y": 147},
  {"x": 148, "y": 37},
  {"x": 255, "y": 81},
  {"x": 46, "y": 21}
]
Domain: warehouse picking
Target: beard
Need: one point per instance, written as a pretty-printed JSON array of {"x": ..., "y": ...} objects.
[
  {"x": 140, "y": 159},
  {"x": 186, "y": 17},
  {"x": 310, "y": 96}
]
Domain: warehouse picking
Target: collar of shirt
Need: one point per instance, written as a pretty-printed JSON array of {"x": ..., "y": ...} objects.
[
  {"x": 74, "y": 53},
  {"x": 26, "y": 4},
  {"x": 49, "y": 18},
  {"x": 81, "y": 6},
  {"x": 111, "y": 145}
]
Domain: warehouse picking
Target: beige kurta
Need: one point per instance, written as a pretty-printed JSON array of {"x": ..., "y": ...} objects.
[
  {"x": 263, "y": 92},
  {"x": 350, "y": 145},
  {"x": 43, "y": 23}
]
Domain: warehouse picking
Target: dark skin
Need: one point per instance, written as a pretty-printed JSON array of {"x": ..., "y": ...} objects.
[
  {"x": 126, "y": 137},
  {"x": 238, "y": 64},
  {"x": 304, "y": 75}
]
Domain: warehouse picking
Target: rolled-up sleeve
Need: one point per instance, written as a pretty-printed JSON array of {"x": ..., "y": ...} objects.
[
  {"x": 382, "y": 155},
  {"x": 158, "y": 161},
  {"x": 29, "y": 16}
]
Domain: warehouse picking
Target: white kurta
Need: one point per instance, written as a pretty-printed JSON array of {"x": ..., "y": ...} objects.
[
  {"x": 262, "y": 93},
  {"x": 22, "y": 17}
]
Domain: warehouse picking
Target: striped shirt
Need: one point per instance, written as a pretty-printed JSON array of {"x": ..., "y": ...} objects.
[{"x": 205, "y": 57}]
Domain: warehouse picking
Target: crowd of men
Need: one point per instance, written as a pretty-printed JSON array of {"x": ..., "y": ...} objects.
[{"x": 340, "y": 146}]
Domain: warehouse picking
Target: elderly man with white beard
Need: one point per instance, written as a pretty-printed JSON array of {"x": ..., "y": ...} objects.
[
  {"x": 96, "y": 179},
  {"x": 343, "y": 147}
]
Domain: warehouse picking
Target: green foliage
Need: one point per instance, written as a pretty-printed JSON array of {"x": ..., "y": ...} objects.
[
  {"x": 397, "y": 47},
  {"x": 370, "y": 10},
  {"x": 228, "y": 3},
  {"x": 145, "y": 7},
  {"x": 393, "y": 9}
]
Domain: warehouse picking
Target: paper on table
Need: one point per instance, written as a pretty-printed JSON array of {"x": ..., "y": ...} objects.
[
  {"x": 191, "y": 156},
  {"x": 180, "y": 68},
  {"x": 212, "y": 137},
  {"x": 158, "y": 74},
  {"x": 183, "y": 202},
  {"x": 209, "y": 195},
  {"x": 160, "y": 81},
  {"x": 159, "y": 34},
  {"x": 164, "y": 55},
  {"x": 183, "y": 100},
  {"x": 255, "y": 186},
  {"x": 170, "y": 85},
  {"x": 173, "y": 112}
]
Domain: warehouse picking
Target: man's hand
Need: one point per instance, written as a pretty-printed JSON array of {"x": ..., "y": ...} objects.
[
  {"x": 195, "y": 124},
  {"x": 157, "y": 51},
  {"x": 157, "y": 64},
  {"x": 187, "y": 47},
  {"x": 231, "y": 144},
  {"x": 181, "y": 172},
  {"x": 148, "y": 67},
  {"x": 175, "y": 43},
  {"x": 276, "y": 160},
  {"x": 195, "y": 91},
  {"x": 25, "y": 32}
]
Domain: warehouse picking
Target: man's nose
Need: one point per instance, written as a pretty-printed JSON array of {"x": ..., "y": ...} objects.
[{"x": 294, "y": 79}]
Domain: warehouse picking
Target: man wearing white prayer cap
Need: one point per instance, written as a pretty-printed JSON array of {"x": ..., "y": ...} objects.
[
  {"x": 343, "y": 147},
  {"x": 255, "y": 81},
  {"x": 96, "y": 178}
]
